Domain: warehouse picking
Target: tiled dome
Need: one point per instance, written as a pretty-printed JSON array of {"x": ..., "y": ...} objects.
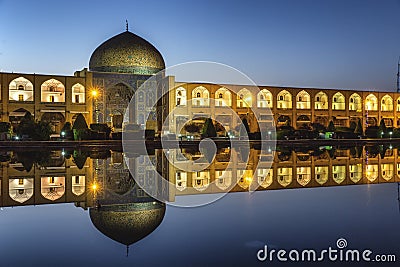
[{"x": 127, "y": 53}]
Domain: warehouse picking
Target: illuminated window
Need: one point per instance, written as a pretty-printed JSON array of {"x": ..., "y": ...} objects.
[
  {"x": 180, "y": 96},
  {"x": 20, "y": 86},
  {"x": 78, "y": 93},
  {"x": 355, "y": 103},
  {"x": 52, "y": 91},
  {"x": 264, "y": 99},
  {"x": 244, "y": 99},
  {"x": 200, "y": 97},
  {"x": 321, "y": 101},
  {"x": 338, "y": 101},
  {"x": 284, "y": 100},
  {"x": 223, "y": 98},
  {"x": 371, "y": 102},
  {"x": 387, "y": 103},
  {"x": 303, "y": 100}
]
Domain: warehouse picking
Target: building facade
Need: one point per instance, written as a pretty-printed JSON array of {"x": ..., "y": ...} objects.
[{"x": 121, "y": 65}]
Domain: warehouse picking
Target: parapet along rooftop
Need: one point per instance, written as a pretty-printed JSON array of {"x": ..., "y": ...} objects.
[{"x": 120, "y": 65}]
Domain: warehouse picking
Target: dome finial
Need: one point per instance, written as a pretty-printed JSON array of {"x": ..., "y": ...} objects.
[{"x": 127, "y": 28}]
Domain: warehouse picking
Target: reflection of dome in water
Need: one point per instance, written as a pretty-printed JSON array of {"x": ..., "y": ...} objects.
[
  {"x": 127, "y": 53},
  {"x": 128, "y": 223}
]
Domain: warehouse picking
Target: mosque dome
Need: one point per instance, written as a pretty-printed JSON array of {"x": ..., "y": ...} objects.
[
  {"x": 128, "y": 223},
  {"x": 127, "y": 53}
]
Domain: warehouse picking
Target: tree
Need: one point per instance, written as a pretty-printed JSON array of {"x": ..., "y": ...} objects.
[
  {"x": 208, "y": 129},
  {"x": 80, "y": 128},
  {"x": 359, "y": 129},
  {"x": 331, "y": 127},
  {"x": 80, "y": 122},
  {"x": 382, "y": 129},
  {"x": 38, "y": 131}
]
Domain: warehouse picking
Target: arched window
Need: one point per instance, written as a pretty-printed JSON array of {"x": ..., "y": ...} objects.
[
  {"x": 321, "y": 101},
  {"x": 21, "y": 189},
  {"x": 321, "y": 174},
  {"x": 398, "y": 104},
  {"x": 303, "y": 175},
  {"x": 387, "y": 103},
  {"x": 264, "y": 99},
  {"x": 52, "y": 91},
  {"x": 52, "y": 187},
  {"x": 201, "y": 180},
  {"x": 223, "y": 179},
  {"x": 244, "y": 99},
  {"x": 339, "y": 173},
  {"x": 180, "y": 98},
  {"x": 223, "y": 98},
  {"x": 338, "y": 102},
  {"x": 285, "y": 176},
  {"x": 200, "y": 97},
  {"x": 284, "y": 100},
  {"x": 371, "y": 102},
  {"x": 355, "y": 103},
  {"x": 265, "y": 177},
  {"x": 78, "y": 184},
  {"x": 303, "y": 100},
  {"x": 78, "y": 93},
  {"x": 20, "y": 89}
]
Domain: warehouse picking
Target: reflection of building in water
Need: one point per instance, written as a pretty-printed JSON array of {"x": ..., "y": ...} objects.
[
  {"x": 56, "y": 178},
  {"x": 290, "y": 169},
  {"x": 32, "y": 178}
]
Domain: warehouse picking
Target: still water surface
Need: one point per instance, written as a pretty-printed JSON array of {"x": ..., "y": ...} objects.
[{"x": 53, "y": 215}]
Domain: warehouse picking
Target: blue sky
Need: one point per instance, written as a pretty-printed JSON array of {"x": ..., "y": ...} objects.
[{"x": 326, "y": 44}]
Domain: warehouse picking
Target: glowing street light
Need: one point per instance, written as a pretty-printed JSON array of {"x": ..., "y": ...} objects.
[{"x": 94, "y": 93}]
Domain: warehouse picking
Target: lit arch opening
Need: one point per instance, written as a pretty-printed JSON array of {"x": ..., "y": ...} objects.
[
  {"x": 20, "y": 89},
  {"x": 52, "y": 91},
  {"x": 284, "y": 100},
  {"x": 264, "y": 99},
  {"x": 303, "y": 100}
]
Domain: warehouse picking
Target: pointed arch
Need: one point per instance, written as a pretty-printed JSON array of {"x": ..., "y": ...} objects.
[
  {"x": 387, "y": 103},
  {"x": 264, "y": 99},
  {"x": 223, "y": 179},
  {"x": 321, "y": 174},
  {"x": 284, "y": 100},
  {"x": 285, "y": 176},
  {"x": 265, "y": 177},
  {"x": 371, "y": 102},
  {"x": 303, "y": 100},
  {"x": 339, "y": 173},
  {"x": 338, "y": 102},
  {"x": 244, "y": 98},
  {"x": 200, "y": 97},
  {"x": 223, "y": 97},
  {"x": 52, "y": 90},
  {"x": 21, "y": 189},
  {"x": 180, "y": 96},
  {"x": 303, "y": 175},
  {"x": 355, "y": 102},
  {"x": 20, "y": 89},
  {"x": 321, "y": 101},
  {"x": 78, "y": 93},
  {"x": 371, "y": 172}
]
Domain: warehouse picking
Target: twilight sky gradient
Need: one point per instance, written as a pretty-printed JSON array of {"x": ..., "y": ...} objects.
[{"x": 305, "y": 43}]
